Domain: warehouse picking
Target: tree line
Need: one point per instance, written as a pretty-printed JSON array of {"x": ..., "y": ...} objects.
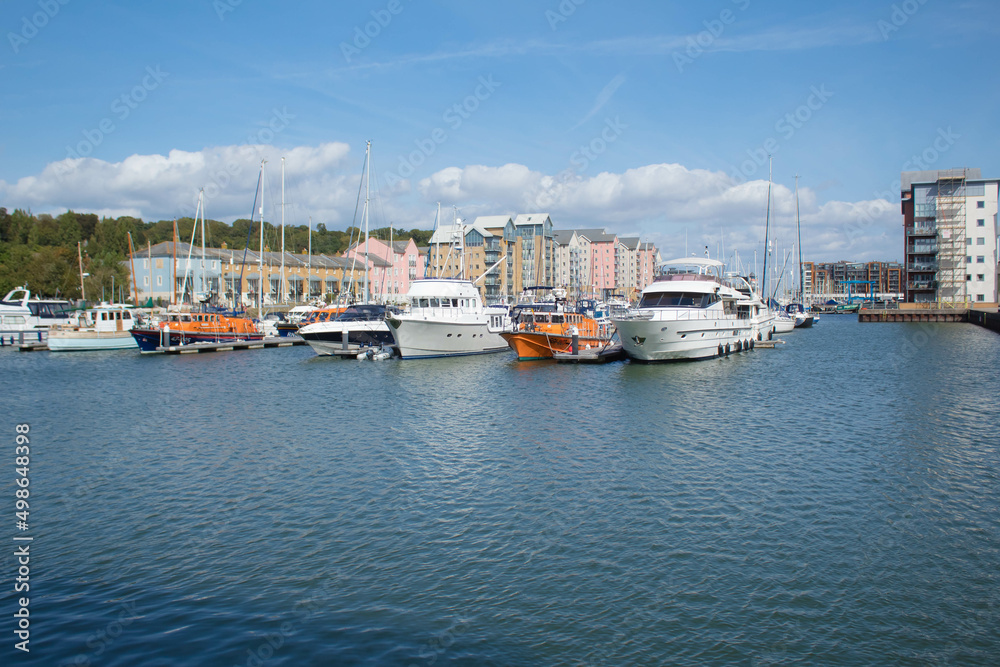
[{"x": 41, "y": 251}]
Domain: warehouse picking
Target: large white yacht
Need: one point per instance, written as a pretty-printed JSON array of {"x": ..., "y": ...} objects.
[
  {"x": 446, "y": 317},
  {"x": 20, "y": 313},
  {"x": 689, "y": 312}
]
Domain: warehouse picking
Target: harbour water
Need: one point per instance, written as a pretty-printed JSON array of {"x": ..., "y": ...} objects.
[{"x": 834, "y": 501}]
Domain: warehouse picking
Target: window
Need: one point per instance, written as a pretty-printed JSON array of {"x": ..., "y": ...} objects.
[
  {"x": 145, "y": 281},
  {"x": 968, "y": 240},
  {"x": 968, "y": 259},
  {"x": 980, "y": 277},
  {"x": 981, "y": 222},
  {"x": 981, "y": 241},
  {"x": 159, "y": 280},
  {"x": 980, "y": 259},
  {"x": 968, "y": 277},
  {"x": 980, "y": 297},
  {"x": 981, "y": 204}
]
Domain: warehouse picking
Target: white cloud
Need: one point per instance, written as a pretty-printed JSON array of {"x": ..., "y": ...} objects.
[
  {"x": 319, "y": 180},
  {"x": 662, "y": 203}
]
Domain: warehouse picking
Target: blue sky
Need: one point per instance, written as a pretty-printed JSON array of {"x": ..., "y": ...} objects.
[{"x": 647, "y": 118}]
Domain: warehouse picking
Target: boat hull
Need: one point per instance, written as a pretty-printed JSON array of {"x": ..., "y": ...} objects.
[
  {"x": 329, "y": 340},
  {"x": 530, "y": 346},
  {"x": 85, "y": 341},
  {"x": 784, "y": 325},
  {"x": 150, "y": 339},
  {"x": 424, "y": 339},
  {"x": 680, "y": 340}
]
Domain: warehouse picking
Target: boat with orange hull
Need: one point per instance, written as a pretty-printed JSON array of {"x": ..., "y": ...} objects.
[
  {"x": 186, "y": 328},
  {"x": 538, "y": 334}
]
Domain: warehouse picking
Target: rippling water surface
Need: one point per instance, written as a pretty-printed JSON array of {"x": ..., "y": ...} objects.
[{"x": 832, "y": 502}]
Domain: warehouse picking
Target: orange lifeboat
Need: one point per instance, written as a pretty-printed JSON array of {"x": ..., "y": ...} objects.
[{"x": 539, "y": 334}]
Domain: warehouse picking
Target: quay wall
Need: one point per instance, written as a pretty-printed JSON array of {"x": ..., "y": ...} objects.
[{"x": 984, "y": 319}]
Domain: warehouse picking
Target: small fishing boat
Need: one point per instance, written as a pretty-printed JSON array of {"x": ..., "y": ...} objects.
[
  {"x": 186, "y": 328},
  {"x": 103, "y": 327}
]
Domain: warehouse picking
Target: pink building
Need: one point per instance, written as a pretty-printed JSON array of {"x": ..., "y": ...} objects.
[
  {"x": 603, "y": 253},
  {"x": 390, "y": 269}
]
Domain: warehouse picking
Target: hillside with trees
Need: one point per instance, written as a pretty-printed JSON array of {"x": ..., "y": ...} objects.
[{"x": 40, "y": 251}]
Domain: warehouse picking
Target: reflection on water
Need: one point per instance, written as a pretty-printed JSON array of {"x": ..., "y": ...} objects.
[{"x": 832, "y": 501}]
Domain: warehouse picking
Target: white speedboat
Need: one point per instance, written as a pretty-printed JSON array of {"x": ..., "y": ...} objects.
[
  {"x": 104, "y": 327},
  {"x": 783, "y": 322},
  {"x": 22, "y": 314},
  {"x": 446, "y": 317},
  {"x": 689, "y": 312},
  {"x": 802, "y": 318},
  {"x": 359, "y": 326}
]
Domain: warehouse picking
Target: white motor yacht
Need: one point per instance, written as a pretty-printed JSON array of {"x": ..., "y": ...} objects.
[
  {"x": 689, "y": 312},
  {"x": 22, "y": 314},
  {"x": 446, "y": 317}
]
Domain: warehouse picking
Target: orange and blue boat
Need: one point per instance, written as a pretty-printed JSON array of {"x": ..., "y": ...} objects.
[{"x": 186, "y": 328}]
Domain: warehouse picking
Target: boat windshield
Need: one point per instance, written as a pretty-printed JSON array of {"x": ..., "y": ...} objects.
[{"x": 677, "y": 300}]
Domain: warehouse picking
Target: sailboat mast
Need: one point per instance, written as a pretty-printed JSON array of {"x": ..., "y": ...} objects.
[
  {"x": 283, "y": 286},
  {"x": 368, "y": 164},
  {"x": 767, "y": 229},
  {"x": 260, "y": 254},
  {"x": 149, "y": 251},
  {"x": 309, "y": 254},
  {"x": 437, "y": 254},
  {"x": 173, "y": 278},
  {"x": 79, "y": 256},
  {"x": 798, "y": 232},
  {"x": 204, "y": 281}
]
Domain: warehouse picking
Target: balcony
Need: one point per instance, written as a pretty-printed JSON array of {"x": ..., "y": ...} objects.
[
  {"x": 922, "y": 266},
  {"x": 922, "y": 285},
  {"x": 922, "y": 248},
  {"x": 921, "y": 230}
]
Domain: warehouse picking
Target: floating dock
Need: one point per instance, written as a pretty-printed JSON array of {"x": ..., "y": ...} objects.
[
  {"x": 194, "y": 348},
  {"x": 596, "y": 355}
]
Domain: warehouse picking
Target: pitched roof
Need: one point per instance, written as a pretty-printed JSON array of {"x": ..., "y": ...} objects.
[{"x": 530, "y": 219}]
